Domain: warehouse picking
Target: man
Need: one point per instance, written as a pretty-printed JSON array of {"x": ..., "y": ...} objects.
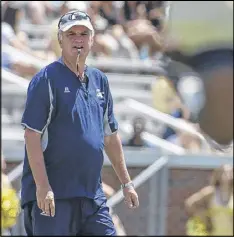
[
  {"x": 203, "y": 32},
  {"x": 67, "y": 105}
]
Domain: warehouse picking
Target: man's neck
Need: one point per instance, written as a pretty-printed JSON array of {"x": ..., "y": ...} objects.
[{"x": 72, "y": 65}]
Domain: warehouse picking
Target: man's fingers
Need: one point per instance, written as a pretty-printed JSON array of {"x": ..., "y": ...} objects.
[
  {"x": 132, "y": 201},
  {"x": 135, "y": 201},
  {"x": 128, "y": 201},
  {"x": 49, "y": 204},
  {"x": 47, "y": 207},
  {"x": 52, "y": 208},
  {"x": 42, "y": 206}
]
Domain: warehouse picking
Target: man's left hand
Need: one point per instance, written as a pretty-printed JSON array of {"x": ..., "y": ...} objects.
[{"x": 130, "y": 197}]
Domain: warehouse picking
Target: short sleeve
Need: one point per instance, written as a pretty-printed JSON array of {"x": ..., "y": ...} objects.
[
  {"x": 110, "y": 123},
  {"x": 38, "y": 108}
]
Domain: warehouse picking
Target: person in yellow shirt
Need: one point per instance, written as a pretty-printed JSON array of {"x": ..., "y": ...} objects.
[
  {"x": 163, "y": 95},
  {"x": 10, "y": 206},
  {"x": 211, "y": 209}
]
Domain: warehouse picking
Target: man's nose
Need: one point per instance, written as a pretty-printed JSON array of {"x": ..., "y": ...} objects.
[{"x": 78, "y": 39}]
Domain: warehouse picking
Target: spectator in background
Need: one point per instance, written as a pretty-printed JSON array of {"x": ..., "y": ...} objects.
[
  {"x": 179, "y": 111},
  {"x": 138, "y": 128},
  {"x": 140, "y": 30},
  {"x": 103, "y": 43},
  {"x": 166, "y": 100},
  {"x": 10, "y": 61},
  {"x": 163, "y": 95},
  {"x": 155, "y": 12},
  {"x": 210, "y": 210},
  {"x": 122, "y": 45},
  {"x": 12, "y": 36},
  {"x": 38, "y": 11},
  {"x": 9, "y": 202}
]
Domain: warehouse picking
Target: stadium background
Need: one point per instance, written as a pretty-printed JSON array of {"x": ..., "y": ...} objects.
[{"x": 133, "y": 68}]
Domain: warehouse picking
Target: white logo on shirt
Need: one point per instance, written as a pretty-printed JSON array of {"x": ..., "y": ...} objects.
[
  {"x": 99, "y": 93},
  {"x": 66, "y": 90}
]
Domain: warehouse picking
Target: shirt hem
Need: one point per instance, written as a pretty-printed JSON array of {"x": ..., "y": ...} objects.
[{"x": 33, "y": 129}]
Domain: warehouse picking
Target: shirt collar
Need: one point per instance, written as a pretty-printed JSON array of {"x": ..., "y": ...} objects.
[{"x": 60, "y": 60}]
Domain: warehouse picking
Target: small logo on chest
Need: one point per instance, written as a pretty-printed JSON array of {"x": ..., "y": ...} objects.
[
  {"x": 99, "y": 94},
  {"x": 66, "y": 90}
]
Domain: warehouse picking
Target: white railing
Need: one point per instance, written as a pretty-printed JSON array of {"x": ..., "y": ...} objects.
[
  {"x": 178, "y": 124},
  {"x": 157, "y": 141},
  {"x": 128, "y": 103},
  {"x": 154, "y": 114},
  {"x": 156, "y": 224},
  {"x": 13, "y": 78},
  {"x": 162, "y": 143},
  {"x": 140, "y": 179}
]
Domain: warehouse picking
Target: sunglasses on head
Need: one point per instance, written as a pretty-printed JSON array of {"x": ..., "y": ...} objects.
[{"x": 71, "y": 16}]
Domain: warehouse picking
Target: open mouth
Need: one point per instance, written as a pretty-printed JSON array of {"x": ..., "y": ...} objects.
[{"x": 78, "y": 47}]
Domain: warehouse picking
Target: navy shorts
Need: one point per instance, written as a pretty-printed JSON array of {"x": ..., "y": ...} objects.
[{"x": 77, "y": 216}]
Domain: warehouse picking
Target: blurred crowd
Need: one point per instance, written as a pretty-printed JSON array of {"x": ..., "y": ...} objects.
[
  {"x": 129, "y": 29},
  {"x": 123, "y": 29}
]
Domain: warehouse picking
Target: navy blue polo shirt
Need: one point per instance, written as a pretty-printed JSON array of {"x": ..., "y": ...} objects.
[{"x": 71, "y": 118}]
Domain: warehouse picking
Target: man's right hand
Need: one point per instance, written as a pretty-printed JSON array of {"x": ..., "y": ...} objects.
[{"x": 45, "y": 200}]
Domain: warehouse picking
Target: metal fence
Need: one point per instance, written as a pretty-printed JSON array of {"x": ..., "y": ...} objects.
[{"x": 157, "y": 174}]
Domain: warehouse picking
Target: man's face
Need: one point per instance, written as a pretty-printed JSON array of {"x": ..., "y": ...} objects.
[
  {"x": 138, "y": 126},
  {"x": 74, "y": 38}
]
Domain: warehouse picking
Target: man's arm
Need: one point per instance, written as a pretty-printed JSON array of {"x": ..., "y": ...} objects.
[
  {"x": 35, "y": 119},
  {"x": 45, "y": 196},
  {"x": 114, "y": 151},
  {"x": 35, "y": 157}
]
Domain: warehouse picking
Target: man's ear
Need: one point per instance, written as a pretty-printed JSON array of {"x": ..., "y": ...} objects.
[
  {"x": 60, "y": 43},
  {"x": 59, "y": 39}
]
